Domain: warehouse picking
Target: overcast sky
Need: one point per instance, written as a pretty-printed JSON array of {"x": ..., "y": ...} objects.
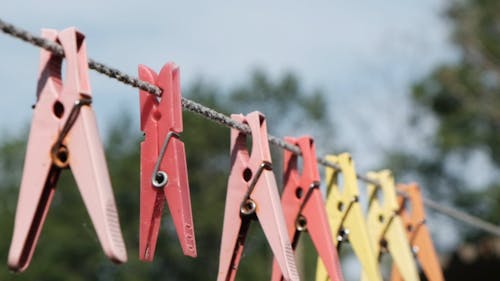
[{"x": 364, "y": 54}]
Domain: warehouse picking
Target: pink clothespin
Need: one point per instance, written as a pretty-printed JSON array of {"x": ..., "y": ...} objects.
[
  {"x": 304, "y": 207},
  {"x": 252, "y": 194},
  {"x": 163, "y": 163},
  {"x": 64, "y": 135}
]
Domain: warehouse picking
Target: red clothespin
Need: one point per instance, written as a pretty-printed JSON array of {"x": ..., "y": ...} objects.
[
  {"x": 163, "y": 163},
  {"x": 418, "y": 233},
  {"x": 252, "y": 193},
  {"x": 64, "y": 135},
  {"x": 304, "y": 207}
]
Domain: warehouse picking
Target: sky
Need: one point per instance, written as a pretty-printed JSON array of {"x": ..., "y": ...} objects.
[{"x": 364, "y": 55}]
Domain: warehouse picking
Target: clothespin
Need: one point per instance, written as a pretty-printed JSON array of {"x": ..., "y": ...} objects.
[
  {"x": 417, "y": 232},
  {"x": 385, "y": 226},
  {"x": 163, "y": 163},
  {"x": 252, "y": 193},
  {"x": 304, "y": 207},
  {"x": 347, "y": 221},
  {"x": 64, "y": 135}
]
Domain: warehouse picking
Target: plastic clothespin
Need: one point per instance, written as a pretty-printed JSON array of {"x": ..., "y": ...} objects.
[
  {"x": 64, "y": 135},
  {"x": 418, "y": 234},
  {"x": 163, "y": 163},
  {"x": 252, "y": 193},
  {"x": 304, "y": 207},
  {"x": 386, "y": 227},
  {"x": 347, "y": 221}
]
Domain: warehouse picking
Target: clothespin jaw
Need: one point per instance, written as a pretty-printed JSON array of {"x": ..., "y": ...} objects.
[
  {"x": 63, "y": 135},
  {"x": 418, "y": 233},
  {"x": 386, "y": 227},
  {"x": 346, "y": 217},
  {"x": 163, "y": 163},
  {"x": 252, "y": 193},
  {"x": 304, "y": 207}
]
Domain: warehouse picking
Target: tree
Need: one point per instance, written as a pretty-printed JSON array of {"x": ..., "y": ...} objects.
[
  {"x": 68, "y": 248},
  {"x": 464, "y": 99}
]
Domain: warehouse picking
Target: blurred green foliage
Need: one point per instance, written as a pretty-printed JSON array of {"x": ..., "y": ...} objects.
[
  {"x": 464, "y": 98},
  {"x": 68, "y": 248}
]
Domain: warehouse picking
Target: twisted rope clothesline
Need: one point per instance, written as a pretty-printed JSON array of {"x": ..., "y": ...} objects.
[{"x": 225, "y": 120}]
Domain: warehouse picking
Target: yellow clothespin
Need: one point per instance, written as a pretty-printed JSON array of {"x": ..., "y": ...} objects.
[
  {"x": 346, "y": 217},
  {"x": 386, "y": 228},
  {"x": 417, "y": 232}
]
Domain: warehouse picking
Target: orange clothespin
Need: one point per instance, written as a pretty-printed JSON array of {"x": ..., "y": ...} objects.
[
  {"x": 418, "y": 234},
  {"x": 252, "y": 194},
  {"x": 346, "y": 217},
  {"x": 64, "y": 135},
  {"x": 386, "y": 227},
  {"x": 304, "y": 206},
  {"x": 163, "y": 163}
]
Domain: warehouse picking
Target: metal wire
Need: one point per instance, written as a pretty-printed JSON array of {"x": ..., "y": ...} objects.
[
  {"x": 461, "y": 216},
  {"x": 225, "y": 120}
]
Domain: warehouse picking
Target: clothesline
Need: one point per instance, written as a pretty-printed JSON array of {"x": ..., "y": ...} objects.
[{"x": 222, "y": 119}]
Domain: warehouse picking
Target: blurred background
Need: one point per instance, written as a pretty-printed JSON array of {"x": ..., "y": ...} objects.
[{"x": 413, "y": 86}]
